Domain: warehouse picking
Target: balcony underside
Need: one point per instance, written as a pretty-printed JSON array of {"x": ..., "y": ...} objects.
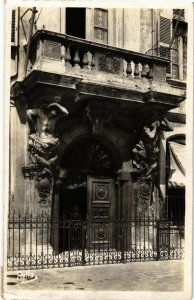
[{"x": 134, "y": 99}]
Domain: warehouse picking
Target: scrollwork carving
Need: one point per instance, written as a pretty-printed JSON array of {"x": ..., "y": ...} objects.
[
  {"x": 44, "y": 184},
  {"x": 101, "y": 233},
  {"x": 100, "y": 212},
  {"x": 101, "y": 192},
  {"x": 109, "y": 64}
]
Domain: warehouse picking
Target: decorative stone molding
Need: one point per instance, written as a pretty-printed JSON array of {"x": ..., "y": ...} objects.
[
  {"x": 145, "y": 155},
  {"x": 109, "y": 64},
  {"x": 100, "y": 115},
  {"x": 43, "y": 145},
  {"x": 44, "y": 184}
]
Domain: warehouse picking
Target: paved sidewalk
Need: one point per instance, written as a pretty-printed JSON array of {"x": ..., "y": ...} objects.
[
  {"x": 137, "y": 276},
  {"x": 150, "y": 276}
]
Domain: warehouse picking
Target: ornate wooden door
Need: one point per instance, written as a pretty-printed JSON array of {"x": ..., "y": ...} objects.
[{"x": 101, "y": 210}]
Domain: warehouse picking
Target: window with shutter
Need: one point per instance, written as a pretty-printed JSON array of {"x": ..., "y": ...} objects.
[
  {"x": 101, "y": 25},
  {"x": 165, "y": 33},
  {"x": 13, "y": 26},
  {"x": 175, "y": 58},
  {"x": 179, "y": 52}
]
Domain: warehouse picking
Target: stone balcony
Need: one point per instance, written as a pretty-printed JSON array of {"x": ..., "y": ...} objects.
[{"x": 65, "y": 66}]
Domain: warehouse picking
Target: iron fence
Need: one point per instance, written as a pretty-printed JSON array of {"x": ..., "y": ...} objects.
[{"x": 45, "y": 242}]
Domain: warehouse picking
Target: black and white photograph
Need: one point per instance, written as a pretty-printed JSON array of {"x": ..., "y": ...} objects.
[{"x": 97, "y": 203}]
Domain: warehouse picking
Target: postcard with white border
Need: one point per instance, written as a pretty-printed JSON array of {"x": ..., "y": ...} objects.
[{"x": 98, "y": 150}]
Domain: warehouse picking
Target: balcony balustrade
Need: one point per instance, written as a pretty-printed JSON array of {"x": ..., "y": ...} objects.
[
  {"x": 83, "y": 56},
  {"x": 67, "y": 67}
]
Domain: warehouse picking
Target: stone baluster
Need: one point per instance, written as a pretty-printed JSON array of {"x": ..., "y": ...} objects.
[
  {"x": 136, "y": 70},
  {"x": 68, "y": 56},
  {"x": 144, "y": 71},
  {"x": 39, "y": 51},
  {"x": 93, "y": 63},
  {"x": 63, "y": 54},
  {"x": 76, "y": 60},
  {"x": 89, "y": 55},
  {"x": 129, "y": 69},
  {"x": 150, "y": 73},
  {"x": 85, "y": 61}
]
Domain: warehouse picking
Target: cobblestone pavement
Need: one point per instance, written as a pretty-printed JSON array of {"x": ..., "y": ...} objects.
[{"x": 164, "y": 276}]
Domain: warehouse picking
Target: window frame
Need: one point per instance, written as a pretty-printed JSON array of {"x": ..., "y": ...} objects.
[{"x": 105, "y": 29}]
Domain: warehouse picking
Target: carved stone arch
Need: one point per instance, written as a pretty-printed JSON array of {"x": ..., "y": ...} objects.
[
  {"x": 68, "y": 136},
  {"x": 121, "y": 140},
  {"x": 99, "y": 143},
  {"x": 115, "y": 140}
]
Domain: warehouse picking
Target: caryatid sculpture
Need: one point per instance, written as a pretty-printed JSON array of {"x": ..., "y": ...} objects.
[
  {"x": 43, "y": 143},
  {"x": 145, "y": 156}
]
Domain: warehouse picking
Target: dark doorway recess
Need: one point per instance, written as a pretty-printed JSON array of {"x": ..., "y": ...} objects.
[
  {"x": 73, "y": 205},
  {"x": 85, "y": 158},
  {"x": 75, "y": 22},
  {"x": 175, "y": 196},
  {"x": 176, "y": 204}
]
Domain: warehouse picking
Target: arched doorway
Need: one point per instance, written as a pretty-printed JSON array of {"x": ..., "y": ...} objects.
[{"x": 88, "y": 190}]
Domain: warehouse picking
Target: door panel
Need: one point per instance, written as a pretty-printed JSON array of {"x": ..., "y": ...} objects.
[{"x": 101, "y": 208}]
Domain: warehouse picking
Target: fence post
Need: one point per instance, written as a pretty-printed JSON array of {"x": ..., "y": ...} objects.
[
  {"x": 83, "y": 243},
  {"x": 122, "y": 230},
  {"x": 158, "y": 239},
  {"x": 69, "y": 247}
]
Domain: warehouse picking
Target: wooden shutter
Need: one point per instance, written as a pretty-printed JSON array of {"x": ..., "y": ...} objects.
[
  {"x": 165, "y": 33},
  {"x": 13, "y": 26},
  {"x": 184, "y": 57}
]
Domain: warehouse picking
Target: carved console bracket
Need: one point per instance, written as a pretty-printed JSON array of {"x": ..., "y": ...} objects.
[
  {"x": 43, "y": 145},
  {"x": 43, "y": 180},
  {"x": 145, "y": 155}
]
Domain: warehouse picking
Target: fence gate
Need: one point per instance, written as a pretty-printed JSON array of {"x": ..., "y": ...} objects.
[{"x": 170, "y": 239}]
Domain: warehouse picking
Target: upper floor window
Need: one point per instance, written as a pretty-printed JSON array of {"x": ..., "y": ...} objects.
[
  {"x": 101, "y": 25},
  {"x": 173, "y": 45},
  {"x": 76, "y": 22},
  {"x": 175, "y": 58},
  {"x": 179, "y": 52}
]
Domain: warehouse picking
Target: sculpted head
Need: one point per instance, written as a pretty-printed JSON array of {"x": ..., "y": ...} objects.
[{"x": 42, "y": 121}]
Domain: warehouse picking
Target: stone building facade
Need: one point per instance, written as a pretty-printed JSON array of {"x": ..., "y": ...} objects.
[{"x": 97, "y": 114}]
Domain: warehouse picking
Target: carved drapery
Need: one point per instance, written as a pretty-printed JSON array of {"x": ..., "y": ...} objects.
[
  {"x": 145, "y": 156},
  {"x": 43, "y": 145}
]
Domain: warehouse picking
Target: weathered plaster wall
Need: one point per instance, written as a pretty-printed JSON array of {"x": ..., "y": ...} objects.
[
  {"x": 51, "y": 19},
  {"x": 18, "y": 158},
  {"x": 131, "y": 37},
  {"x": 146, "y": 28}
]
